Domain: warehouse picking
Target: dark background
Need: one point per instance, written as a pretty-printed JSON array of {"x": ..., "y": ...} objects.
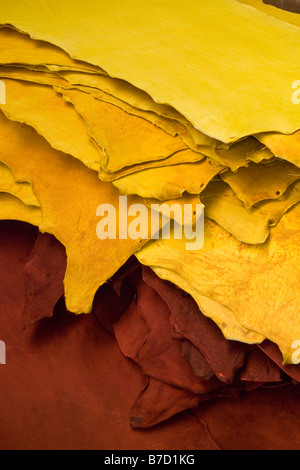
[{"x": 290, "y": 5}]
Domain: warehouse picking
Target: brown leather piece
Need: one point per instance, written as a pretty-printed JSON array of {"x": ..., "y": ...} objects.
[
  {"x": 196, "y": 360},
  {"x": 44, "y": 273},
  {"x": 158, "y": 402},
  {"x": 260, "y": 368},
  {"x": 274, "y": 353},
  {"x": 263, "y": 419},
  {"x": 159, "y": 354},
  {"x": 68, "y": 380},
  {"x": 66, "y": 384},
  {"x": 224, "y": 357}
]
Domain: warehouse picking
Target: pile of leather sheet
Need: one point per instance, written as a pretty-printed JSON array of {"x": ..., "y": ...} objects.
[{"x": 161, "y": 102}]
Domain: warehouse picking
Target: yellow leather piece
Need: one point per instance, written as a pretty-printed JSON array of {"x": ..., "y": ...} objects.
[
  {"x": 183, "y": 156},
  {"x": 12, "y": 208},
  {"x": 258, "y": 283},
  {"x": 248, "y": 225},
  {"x": 22, "y": 190},
  {"x": 223, "y": 316},
  {"x": 234, "y": 60},
  {"x": 283, "y": 15},
  {"x": 43, "y": 109},
  {"x": 42, "y": 77},
  {"x": 125, "y": 139},
  {"x": 169, "y": 182},
  {"x": 283, "y": 146},
  {"x": 18, "y": 48},
  {"x": 258, "y": 182},
  {"x": 69, "y": 194}
]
